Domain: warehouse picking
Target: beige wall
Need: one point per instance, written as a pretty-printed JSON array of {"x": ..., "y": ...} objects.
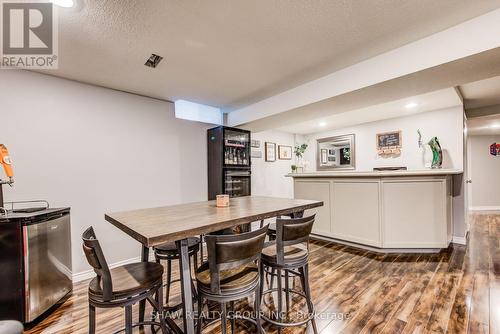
[
  {"x": 484, "y": 173},
  {"x": 97, "y": 150}
]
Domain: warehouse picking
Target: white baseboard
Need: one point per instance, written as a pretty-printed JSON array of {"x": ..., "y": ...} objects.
[
  {"x": 484, "y": 208},
  {"x": 87, "y": 274},
  {"x": 459, "y": 240}
]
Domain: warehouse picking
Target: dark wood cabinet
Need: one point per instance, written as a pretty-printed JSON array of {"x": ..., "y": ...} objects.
[{"x": 229, "y": 162}]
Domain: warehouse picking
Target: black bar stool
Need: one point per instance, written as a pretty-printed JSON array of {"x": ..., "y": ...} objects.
[
  {"x": 169, "y": 252},
  {"x": 122, "y": 286},
  {"x": 289, "y": 254},
  {"x": 231, "y": 273}
]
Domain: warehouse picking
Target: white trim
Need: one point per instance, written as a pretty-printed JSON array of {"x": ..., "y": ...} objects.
[
  {"x": 376, "y": 249},
  {"x": 87, "y": 274},
  {"x": 459, "y": 240},
  {"x": 484, "y": 208}
]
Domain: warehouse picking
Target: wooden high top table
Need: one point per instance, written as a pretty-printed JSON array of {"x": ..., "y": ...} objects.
[{"x": 152, "y": 227}]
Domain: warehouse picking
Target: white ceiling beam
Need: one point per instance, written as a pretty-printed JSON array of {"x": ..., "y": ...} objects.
[{"x": 483, "y": 111}]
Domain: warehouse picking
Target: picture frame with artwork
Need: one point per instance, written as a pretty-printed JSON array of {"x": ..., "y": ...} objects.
[
  {"x": 324, "y": 156},
  {"x": 256, "y": 154},
  {"x": 270, "y": 151},
  {"x": 389, "y": 143},
  {"x": 255, "y": 143},
  {"x": 284, "y": 152}
]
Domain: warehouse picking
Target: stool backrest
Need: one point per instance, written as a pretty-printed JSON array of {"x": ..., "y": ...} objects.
[
  {"x": 231, "y": 251},
  {"x": 95, "y": 258},
  {"x": 291, "y": 232}
]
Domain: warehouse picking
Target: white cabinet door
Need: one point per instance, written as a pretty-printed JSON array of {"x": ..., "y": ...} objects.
[
  {"x": 415, "y": 213},
  {"x": 316, "y": 190},
  {"x": 356, "y": 211}
]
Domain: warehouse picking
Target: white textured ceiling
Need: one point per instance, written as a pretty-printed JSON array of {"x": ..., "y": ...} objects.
[
  {"x": 481, "y": 93},
  {"x": 230, "y": 53}
]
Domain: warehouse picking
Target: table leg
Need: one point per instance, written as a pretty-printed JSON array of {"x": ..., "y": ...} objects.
[
  {"x": 187, "y": 297},
  {"x": 142, "y": 303}
]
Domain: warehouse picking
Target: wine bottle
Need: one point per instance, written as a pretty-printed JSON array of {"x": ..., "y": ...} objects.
[
  {"x": 230, "y": 156},
  {"x": 245, "y": 160}
]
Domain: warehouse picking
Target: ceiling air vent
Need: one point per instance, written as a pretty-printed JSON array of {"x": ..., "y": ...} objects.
[{"x": 153, "y": 61}]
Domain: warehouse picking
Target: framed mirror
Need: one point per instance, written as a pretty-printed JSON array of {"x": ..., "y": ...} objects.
[{"x": 336, "y": 153}]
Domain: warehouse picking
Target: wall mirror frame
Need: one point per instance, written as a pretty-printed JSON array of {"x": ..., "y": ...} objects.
[{"x": 337, "y": 152}]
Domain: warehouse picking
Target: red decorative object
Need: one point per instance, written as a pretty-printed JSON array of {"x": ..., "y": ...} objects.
[{"x": 495, "y": 149}]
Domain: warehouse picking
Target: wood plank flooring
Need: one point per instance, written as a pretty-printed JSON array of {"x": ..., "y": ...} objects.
[{"x": 358, "y": 291}]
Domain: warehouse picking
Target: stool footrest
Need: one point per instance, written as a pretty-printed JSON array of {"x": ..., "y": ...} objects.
[
  {"x": 229, "y": 317},
  {"x": 310, "y": 316},
  {"x": 142, "y": 323}
]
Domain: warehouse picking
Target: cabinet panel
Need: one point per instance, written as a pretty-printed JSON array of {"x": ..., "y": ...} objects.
[
  {"x": 316, "y": 190},
  {"x": 356, "y": 211},
  {"x": 415, "y": 213}
]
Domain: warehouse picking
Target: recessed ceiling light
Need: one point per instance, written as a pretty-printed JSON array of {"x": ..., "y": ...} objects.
[
  {"x": 64, "y": 3},
  {"x": 322, "y": 123},
  {"x": 411, "y": 105}
]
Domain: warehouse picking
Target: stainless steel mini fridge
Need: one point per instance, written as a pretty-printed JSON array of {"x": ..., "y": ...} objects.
[{"x": 35, "y": 257}]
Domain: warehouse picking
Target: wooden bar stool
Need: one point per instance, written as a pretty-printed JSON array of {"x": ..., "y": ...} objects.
[
  {"x": 122, "y": 286},
  {"x": 271, "y": 232},
  {"x": 231, "y": 273},
  {"x": 289, "y": 254},
  {"x": 169, "y": 252}
]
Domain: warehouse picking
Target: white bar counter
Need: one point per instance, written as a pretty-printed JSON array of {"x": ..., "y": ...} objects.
[{"x": 386, "y": 210}]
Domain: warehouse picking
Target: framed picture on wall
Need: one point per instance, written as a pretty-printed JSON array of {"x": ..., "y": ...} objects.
[
  {"x": 270, "y": 151},
  {"x": 389, "y": 143},
  {"x": 284, "y": 152},
  {"x": 255, "y": 143},
  {"x": 256, "y": 154},
  {"x": 324, "y": 155}
]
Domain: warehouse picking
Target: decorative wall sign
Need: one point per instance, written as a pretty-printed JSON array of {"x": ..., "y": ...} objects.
[
  {"x": 284, "y": 152},
  {"x": 255, "y": 143},
  {"x": 389, "y": 143},
  {"x": 256, "y": 154},
  {"x": 270, "y": 151},
  {"x": 495, "y": 150}
]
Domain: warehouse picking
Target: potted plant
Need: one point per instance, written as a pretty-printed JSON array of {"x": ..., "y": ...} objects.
[
  {"x": 299, "y": 154},
  {"x": 294, "y": 168},
  {"x": 299, "y": 150}
]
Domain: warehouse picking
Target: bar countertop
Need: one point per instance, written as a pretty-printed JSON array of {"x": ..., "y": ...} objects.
[{"x": 398, "y": 173}]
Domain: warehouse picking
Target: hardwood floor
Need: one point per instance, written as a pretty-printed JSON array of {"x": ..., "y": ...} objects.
[{"x": 357, "y": 291}]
